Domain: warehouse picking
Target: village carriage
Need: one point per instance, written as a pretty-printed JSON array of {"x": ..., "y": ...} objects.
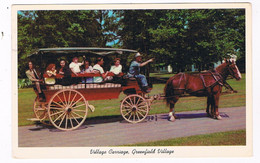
[{"x": 66, "y": 106}]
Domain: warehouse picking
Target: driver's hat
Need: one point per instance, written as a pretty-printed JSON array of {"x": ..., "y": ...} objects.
[{"x": 138, "y": 55}]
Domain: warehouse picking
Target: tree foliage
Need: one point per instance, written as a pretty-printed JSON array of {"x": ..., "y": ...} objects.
[
  {"x": 177, "y": 37},
  {"x": 185, "y": 37}
]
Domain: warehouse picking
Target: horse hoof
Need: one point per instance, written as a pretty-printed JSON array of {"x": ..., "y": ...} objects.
[
  {"x": 172, "y": 119},
  {"x": 219, "y": 117}
]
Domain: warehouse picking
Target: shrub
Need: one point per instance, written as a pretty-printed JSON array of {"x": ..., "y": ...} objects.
[{"x": 24, "y": 83}]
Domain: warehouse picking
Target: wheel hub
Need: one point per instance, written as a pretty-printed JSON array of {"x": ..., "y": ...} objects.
[
  {"x": 68, "y": 109},
  {"x": 134, "y": 108}
]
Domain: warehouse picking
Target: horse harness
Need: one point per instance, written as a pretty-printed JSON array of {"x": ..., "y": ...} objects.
[{"x": 216, "y": 76}]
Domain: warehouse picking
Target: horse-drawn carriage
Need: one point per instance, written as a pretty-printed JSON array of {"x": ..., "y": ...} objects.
[{"x": 66, "y": 107}]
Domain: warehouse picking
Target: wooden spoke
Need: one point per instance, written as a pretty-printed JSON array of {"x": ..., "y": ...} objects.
[
  {"x": 76, "y": 102},
  {"x": 138, "y": 101},
  {"x": 59, "y": 117},
  {"x": 71, "y": 123},
  {"x": 66, "y": 123},
  {"x": 64, "y": 97},
  {"x": 57, "y": 113},
  {"x": 75, "y": 118},
  {"x": 130, "y": 116},
  {"x": 126, "y": 106},
  {"x": 62, "y": 119},
  {"x": 61, "y": 100},
  {"x": 126, "y": 109},
  {"x": 142, "y": 110},
  {"x": 130, "y": 99},
  {"x": 140, "y": 113},
  {"x": 57, "y": 104},
  {"x": 128, "y": 103},
  {"x": 143, "y": 106},
  {"x": 127, "y": 113},
  {"x": 134, "y": 99},
  {"x": 77, "y": 114},
  {"x": 69, "y": 98},
  {"x": 137, "y": 116},
  {"x": 142, "y": 103},
  {"x": 55, "y": 108},
  {"x": 73, "y": 99}
]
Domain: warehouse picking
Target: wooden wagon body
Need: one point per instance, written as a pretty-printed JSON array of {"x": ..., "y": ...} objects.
[{"x": 66, "y": 107}]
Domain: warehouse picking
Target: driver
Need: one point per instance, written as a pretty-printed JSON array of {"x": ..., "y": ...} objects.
[{"x": 134, "y": 70}]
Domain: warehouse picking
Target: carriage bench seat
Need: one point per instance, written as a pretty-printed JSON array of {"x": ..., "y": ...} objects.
[{"x": 85, "y": 86}]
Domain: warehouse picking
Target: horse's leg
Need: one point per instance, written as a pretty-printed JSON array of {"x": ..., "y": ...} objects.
[
  {"x": 172, "y": 115},
  {"x": 209, "y": 104},
  {"x": 216, "y": 102}
]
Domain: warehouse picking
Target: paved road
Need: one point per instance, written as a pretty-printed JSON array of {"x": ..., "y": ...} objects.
[{"x": 115, "y": 131}]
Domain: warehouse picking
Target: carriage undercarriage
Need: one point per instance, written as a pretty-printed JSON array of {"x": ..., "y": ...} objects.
[{"x": 66, "y": 107}]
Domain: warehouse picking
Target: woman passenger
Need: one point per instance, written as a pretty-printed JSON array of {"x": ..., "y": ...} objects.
[
  {"x": 117, "y": 68},
  {"x": 51, "y": 74}
]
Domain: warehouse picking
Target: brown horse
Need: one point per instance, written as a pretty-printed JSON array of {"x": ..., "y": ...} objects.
[{"x": 207, "y": 83}]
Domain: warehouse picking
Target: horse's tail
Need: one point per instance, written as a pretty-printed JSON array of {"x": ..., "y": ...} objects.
[{"x": 169, "y": 90}]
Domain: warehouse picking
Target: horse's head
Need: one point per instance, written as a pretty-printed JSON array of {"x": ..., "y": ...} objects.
[{"x": 233, "y": 69}]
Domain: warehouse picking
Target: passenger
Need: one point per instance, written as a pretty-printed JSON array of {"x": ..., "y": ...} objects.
[
  {"x": 51, "y": 73},
  {"x": 65, "y": 71},
  {"x": 134, "y": 70},
  {"x": 34, "y": 77},
  {"x": 87, "y": 69},
  {"x": 98, "y": 69},
  {"x": 117, "y": 68},
  {"x": 75, "y": 66}
]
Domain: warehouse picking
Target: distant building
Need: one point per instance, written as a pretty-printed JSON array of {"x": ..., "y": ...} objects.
[{"x": 164, "y": 69}]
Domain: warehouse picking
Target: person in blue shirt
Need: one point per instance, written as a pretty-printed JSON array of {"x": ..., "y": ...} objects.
[{"x": 134, "y": 70}]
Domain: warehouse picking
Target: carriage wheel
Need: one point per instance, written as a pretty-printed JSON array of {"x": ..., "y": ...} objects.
[
  {"x": 134, "y": 108},
  {"x": 67, "y": 109},
  {"x": 40, "y": 111}
]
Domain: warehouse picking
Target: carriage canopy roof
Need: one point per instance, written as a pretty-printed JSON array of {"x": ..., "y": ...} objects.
[{"x": 48, "y": 52}]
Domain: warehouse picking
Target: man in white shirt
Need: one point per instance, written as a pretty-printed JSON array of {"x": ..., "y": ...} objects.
[
  {"x": 75, "y": 66},
  {"x": 99, "y": 69}
]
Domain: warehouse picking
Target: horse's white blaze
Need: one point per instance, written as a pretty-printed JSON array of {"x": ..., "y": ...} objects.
[{"x": 239, "y": 74}]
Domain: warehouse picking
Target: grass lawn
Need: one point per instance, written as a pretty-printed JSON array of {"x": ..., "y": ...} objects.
[
  {"x": 111, "y": 107},
  {"x": 221, "y": 138}
]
